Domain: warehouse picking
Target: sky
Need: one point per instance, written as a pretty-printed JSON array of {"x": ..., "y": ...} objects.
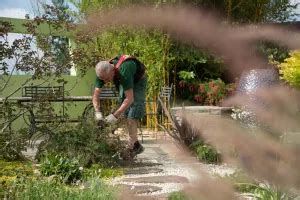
[
  {"x": 15, "y": 8},
  {"x": 19, "y": 8}
]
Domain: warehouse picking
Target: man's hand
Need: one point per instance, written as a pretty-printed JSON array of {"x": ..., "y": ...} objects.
[
  {"x": 111, "y": 119},
  {"x": 98, "y": 116}
]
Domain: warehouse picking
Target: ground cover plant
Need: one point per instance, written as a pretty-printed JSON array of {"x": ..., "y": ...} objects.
[
  {"x": 177, "y": 196},
  {"x": 10, "y": 171},
  {"x": 49, "y": 189},
  {"x": 206, "y": 152}
]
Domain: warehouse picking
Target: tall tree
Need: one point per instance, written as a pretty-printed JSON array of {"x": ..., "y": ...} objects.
[
  {"x": 58, "y": 11},
  {"x": 254, "y": 11}
]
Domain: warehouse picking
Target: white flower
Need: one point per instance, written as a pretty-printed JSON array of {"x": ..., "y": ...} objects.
[
  {"x": 81, "y": 187},
  {"x": 80, "y": 168}
]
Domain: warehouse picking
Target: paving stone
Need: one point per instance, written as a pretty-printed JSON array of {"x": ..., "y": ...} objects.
[
  {"x": 158, "y": 179},
  {"x": 142, "y": 189},
  {"x": 142, "y": 171}
]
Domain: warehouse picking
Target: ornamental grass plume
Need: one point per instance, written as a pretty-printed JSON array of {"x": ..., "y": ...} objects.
[{"x": 262, "y": 152}]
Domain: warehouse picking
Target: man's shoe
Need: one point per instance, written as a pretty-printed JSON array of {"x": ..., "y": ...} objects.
[
  {"x": 127, "y": 155},
  {"x": 138, "y": 148}
]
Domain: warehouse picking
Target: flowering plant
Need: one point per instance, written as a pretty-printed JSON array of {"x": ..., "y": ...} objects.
[{"x": 205, "y": 93}]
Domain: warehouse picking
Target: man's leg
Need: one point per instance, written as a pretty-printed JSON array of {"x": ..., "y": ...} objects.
[
  {"x": 132, "y": 131},
  {"x": 134, "y": 144},
  {"x": 134, "y": 113}
]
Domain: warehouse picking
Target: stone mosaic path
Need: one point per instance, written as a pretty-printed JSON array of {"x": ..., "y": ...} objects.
[{"x": 158, "y": 171}]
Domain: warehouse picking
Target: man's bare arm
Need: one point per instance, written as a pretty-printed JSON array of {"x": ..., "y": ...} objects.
[
  {"x": 96, "y": 99},
  {"x": 126, "y": 103}
]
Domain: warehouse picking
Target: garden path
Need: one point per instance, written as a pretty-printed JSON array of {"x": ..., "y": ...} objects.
[{"x": 163, "y": 168}]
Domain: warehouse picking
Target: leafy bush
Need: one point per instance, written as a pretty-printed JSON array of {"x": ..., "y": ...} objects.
[
  {"x": 87, "y": 142},
  {"x": 11, "y": 142},
  {"x": 206, "y": 152},
  {"x": 290, "y": 69},
  {"x": 178, "y": 196},
  {"x": 65, "y": 170},
  {"x": 186, "y": 76},
  {"x": 263, "y": 191},
  {"x": 205, "y": 93}
]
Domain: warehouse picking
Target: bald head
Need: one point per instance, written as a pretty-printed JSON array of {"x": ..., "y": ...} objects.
[{"x": 105, "y": 71}]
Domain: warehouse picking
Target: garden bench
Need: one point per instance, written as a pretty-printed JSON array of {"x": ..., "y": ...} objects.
[
  {"x": 36, "y": 94},
  {"x": 32, "y": 95},
  {"x": 109, "y": 93},
  {"x": 48, "y": 92},
  {"x": 56, "y": 94}
]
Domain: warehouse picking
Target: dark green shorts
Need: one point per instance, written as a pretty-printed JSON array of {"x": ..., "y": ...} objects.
[{"x": 138, "y": 108}]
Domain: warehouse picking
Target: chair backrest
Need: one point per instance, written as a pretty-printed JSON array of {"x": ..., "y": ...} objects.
[
  {"x": 109, "y": 93},
  {"x": 166, "y": 92},
  {"x": 43, "y": 91}
]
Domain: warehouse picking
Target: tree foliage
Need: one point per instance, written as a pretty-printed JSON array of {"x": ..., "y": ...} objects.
[
  {"x": 158, "y": 51},
  {"x": 255, "y": 11},
  {"x": 168, "y": 56},
  {"x": 58, "y": 11},
  {"x": 41, "y": 63}
]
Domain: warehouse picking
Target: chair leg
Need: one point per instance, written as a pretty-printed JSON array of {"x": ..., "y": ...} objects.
[
  {"x": 140, "y": 128},
  {"x": 142, "y": 136}
]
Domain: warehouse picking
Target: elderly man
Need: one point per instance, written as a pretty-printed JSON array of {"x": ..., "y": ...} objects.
[{"x": 128, "y": 74}]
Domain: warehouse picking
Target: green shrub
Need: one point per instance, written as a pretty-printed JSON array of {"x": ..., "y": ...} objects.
[
  {"x": 290, "y": 69},
  {"x": 86, "y": 142},
  {"x": 263, "y": 191},
  {"x": 178, "y": 196},
  {"x": 206, "y": 152},
  {"x": 205, "y": 93},
  {"x": 12, "y": 142},
  {"x": 65, "y": 170}
]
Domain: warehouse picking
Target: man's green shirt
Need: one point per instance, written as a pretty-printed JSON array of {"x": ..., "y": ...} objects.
[{"x": 126, "y": 74}]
